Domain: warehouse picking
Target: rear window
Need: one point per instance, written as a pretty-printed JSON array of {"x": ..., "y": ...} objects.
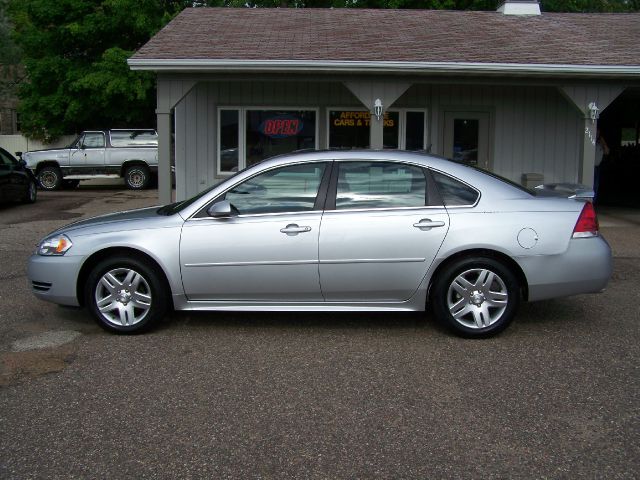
[
  {"x": 454, "y": 192},
  {"x": 134, "y": 138}
]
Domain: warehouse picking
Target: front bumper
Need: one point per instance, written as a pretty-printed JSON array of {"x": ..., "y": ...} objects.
[{"x": 54, "y": 278}]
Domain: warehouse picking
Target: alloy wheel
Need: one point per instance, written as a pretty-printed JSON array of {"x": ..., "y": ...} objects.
[
  {"x": 123, "y": 297},
  {"x": 477, "y": 298}
]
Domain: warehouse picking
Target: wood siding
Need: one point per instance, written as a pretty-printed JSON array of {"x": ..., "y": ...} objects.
[{"x": 534, "y": 129}]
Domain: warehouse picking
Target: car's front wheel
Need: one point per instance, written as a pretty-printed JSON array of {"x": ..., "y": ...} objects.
[
  {"x": 50, "y": 178},
  {"x": 126, "y": 295},
  {"x": 476, "y": 296}
]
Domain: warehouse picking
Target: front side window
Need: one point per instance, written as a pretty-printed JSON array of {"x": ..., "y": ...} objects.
[
  {"x": 93, "y": 140},
  {"x": 286, "y": 189},
  {"x": 380, "y": 185}
]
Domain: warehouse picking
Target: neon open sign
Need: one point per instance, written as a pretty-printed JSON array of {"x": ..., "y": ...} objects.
[{"x": 281, "y": 126}]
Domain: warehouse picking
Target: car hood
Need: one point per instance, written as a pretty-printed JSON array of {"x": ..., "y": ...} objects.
[
  {"x": 47, "y": 151},
  {"x": 113, "y": 221}
]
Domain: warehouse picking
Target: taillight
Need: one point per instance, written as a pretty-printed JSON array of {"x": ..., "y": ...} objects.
[{"x": 587, "y": 224}]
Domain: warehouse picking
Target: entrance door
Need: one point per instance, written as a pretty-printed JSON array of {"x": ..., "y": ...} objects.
[
  {"x": 90, "y": 151},
  {"x": 379, "y": 241},
  {"x": 466, "y": 137},
  {"x": 267, "y": 250}
]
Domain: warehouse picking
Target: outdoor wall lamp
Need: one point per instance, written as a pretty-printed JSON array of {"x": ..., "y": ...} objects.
[
  {"x": 593, "y": 112},
  {"x": 377, "y": 108}
]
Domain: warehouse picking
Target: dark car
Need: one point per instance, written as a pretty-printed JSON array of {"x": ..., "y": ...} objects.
[{"x": 17, "y": 183}]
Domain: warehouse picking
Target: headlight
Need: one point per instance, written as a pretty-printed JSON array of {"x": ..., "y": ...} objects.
[{"x": 56, "y": 245}]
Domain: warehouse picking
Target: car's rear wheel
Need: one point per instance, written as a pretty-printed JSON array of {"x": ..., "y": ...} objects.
[
  {"x": 476, "y": 296},
  {"x": 50, "y": 178},
  {"x": 31, "y": 194},
  {"x": 137, "y": 177},
  {"x": 126, "y": 295}
]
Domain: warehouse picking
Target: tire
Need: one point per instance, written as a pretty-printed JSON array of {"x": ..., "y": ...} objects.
[
  {"x": 70, "y": 184},
  {"x": 50, "y": 178},
  {"x": 126, "y": 295},
  {"x": 31, "y": 194},
  {"x": 137, "y": 177},
  {"x": 476, "y": 297}
]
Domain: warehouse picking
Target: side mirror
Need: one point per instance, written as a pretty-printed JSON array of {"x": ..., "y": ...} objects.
[{"x": 221, "y": 209}]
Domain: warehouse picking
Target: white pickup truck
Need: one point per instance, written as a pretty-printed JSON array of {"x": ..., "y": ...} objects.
[{"x": 131, "y": 154}]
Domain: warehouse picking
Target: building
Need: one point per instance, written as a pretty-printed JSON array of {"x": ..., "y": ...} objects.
[{"x": 513, "y": 91}]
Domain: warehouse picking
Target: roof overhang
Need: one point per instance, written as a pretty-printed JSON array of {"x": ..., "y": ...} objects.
[{"x": 319, "y": 66}]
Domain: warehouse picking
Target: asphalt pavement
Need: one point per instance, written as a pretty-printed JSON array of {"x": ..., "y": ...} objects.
[{"x": 314, "y": 395}]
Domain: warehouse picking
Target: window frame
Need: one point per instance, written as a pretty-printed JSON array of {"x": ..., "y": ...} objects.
[{"x": 242, "y": 131}]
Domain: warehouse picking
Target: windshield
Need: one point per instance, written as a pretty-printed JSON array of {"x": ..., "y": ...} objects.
[{"x": 76, "y": 142}]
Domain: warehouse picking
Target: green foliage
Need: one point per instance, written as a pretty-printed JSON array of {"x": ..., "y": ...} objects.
[{"x": 75, "y": 53}]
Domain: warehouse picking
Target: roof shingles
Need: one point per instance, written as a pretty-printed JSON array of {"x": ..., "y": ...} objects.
[{"x": 397, "y": 36}]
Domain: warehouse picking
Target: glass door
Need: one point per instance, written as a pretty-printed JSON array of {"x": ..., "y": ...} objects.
[{"x": 466, "y": 137}]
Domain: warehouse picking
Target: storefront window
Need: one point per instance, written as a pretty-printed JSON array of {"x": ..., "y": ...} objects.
[
  {"x": 274, "y": 132},
  {"x": 229, "y": 142},
  {"x": 391, "y": 130},
  {"x": 350, "y": 129},
  {"x": 414, "y": 131}
]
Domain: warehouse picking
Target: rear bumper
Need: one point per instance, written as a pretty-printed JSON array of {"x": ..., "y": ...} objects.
[
  {"x": 54, "y": 278},
  {"x": 585, "y": 267}
]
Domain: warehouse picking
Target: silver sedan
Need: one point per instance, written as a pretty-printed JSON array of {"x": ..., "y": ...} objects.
[{"x": 343, "y": 231}]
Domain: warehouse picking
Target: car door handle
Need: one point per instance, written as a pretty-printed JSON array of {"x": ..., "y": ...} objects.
[
  {"x": 293, "y": 229},
  {"x": 427, "y": 224}
]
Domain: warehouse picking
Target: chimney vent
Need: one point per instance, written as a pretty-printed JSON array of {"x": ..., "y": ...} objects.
[{"x": 520, "y": 7}]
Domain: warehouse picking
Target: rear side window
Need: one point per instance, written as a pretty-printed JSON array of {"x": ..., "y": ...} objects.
[
  {"x": 454, "y": 192},
  {"x": 379, "y": 185},
  {"x": 134, "y": 138}
]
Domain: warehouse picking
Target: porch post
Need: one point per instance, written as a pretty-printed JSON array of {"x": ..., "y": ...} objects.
[
  {"x": 164, "y": 157},
  {"x": 376, "y": 132},
  {"x": 590, "y": 100}
]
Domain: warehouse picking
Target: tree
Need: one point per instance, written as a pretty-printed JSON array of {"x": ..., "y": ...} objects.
[{"x": 74, "y": 53}]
